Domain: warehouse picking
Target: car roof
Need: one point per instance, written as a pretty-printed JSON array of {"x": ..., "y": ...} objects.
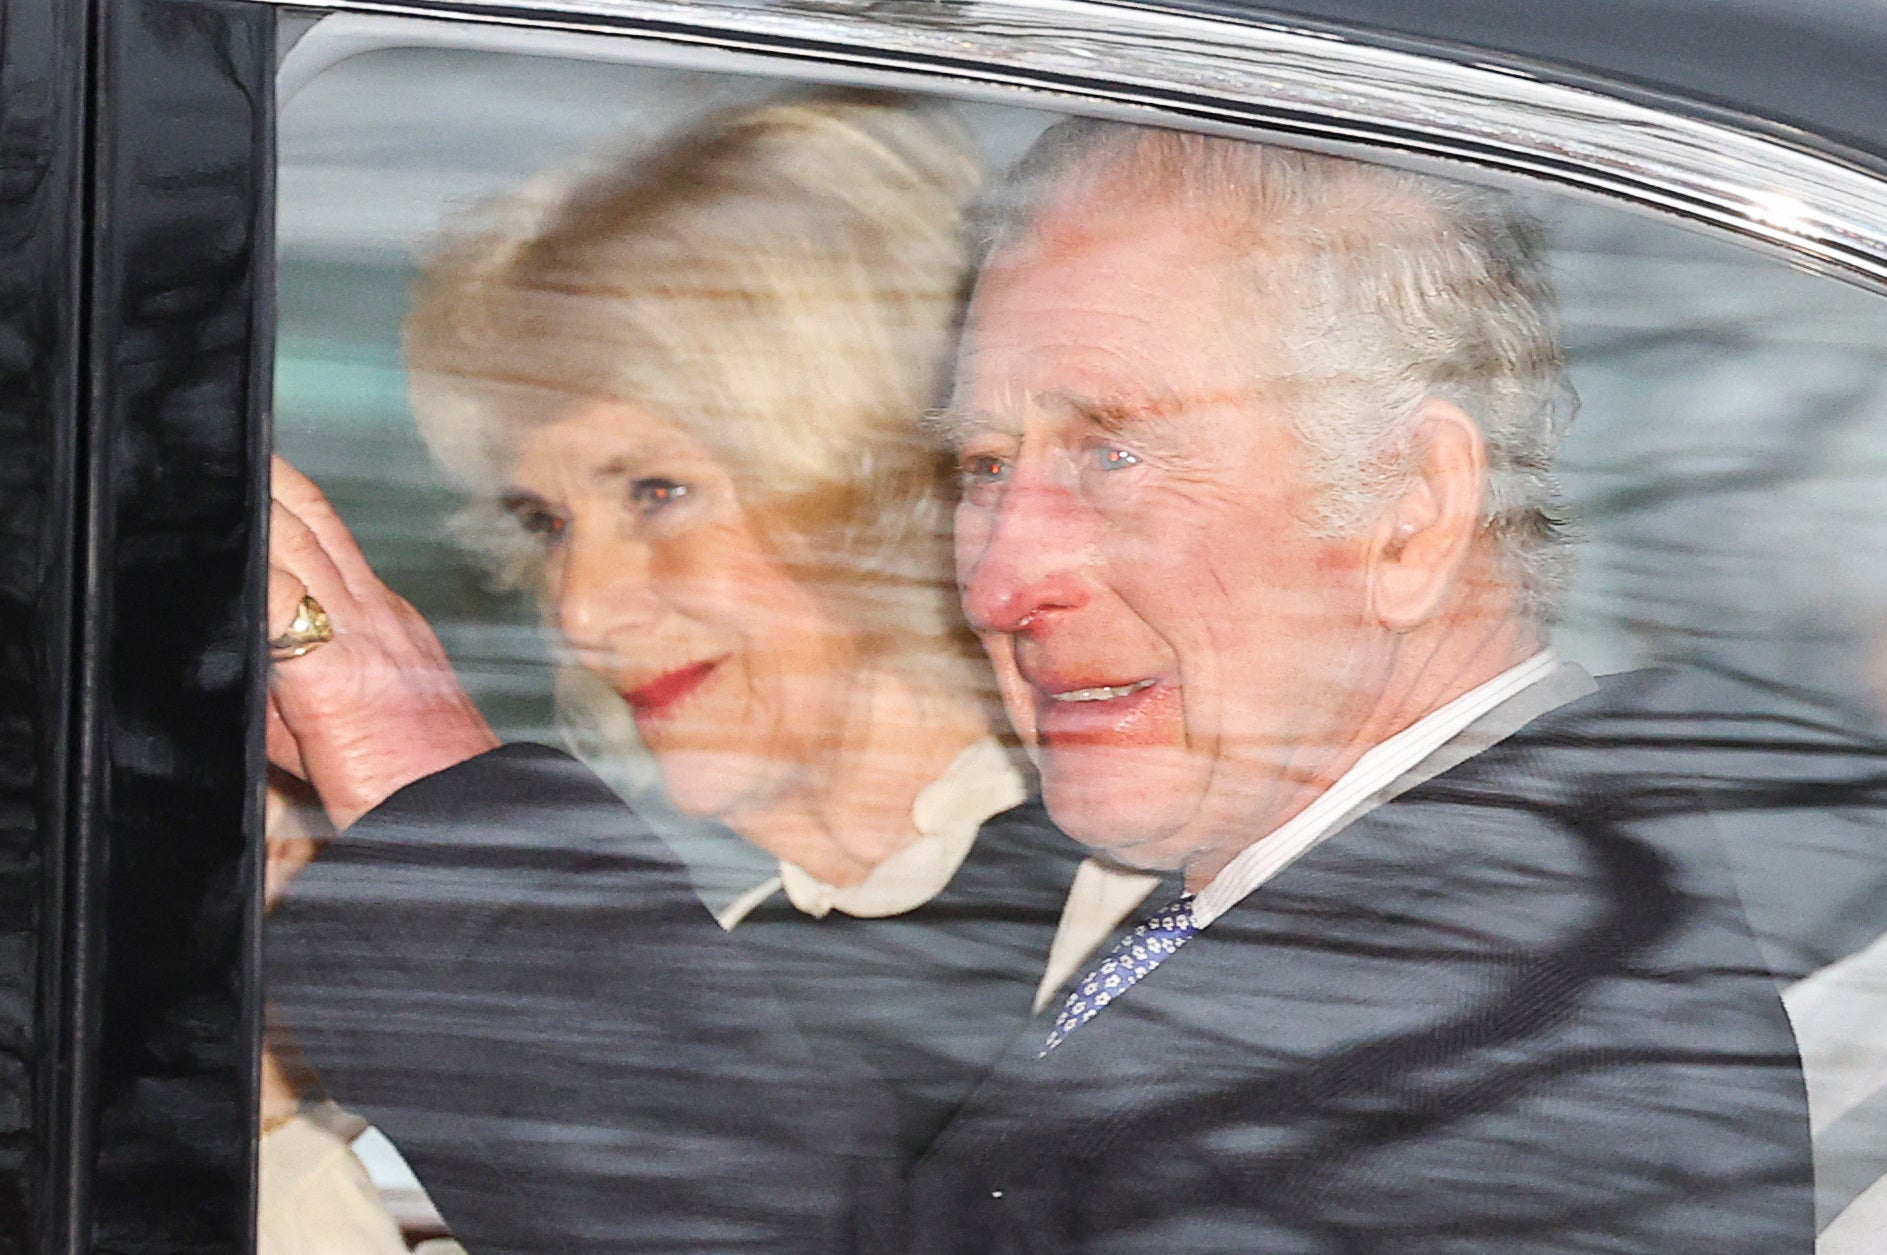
[{"x": 1818, "y": 66}]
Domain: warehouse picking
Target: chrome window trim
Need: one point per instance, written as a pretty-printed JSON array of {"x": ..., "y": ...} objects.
[{"x": 1819, "y": 206}]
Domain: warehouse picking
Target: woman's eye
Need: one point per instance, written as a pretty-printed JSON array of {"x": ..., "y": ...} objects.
[
  {"x": 540, "y": 524},
  {"x": 978, "y": 469},
  {"x": 655, "y": 494},
  {"x": 1108, "y": 458}
]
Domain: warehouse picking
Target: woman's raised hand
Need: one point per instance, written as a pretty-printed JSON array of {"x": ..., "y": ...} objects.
[{"x": 377, "y": 706}]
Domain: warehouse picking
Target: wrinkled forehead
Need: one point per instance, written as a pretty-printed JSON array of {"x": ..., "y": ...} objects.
[{"x": 1143, "y": 310}]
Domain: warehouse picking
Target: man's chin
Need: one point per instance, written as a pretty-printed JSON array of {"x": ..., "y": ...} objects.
[{"x": 1140, "y": 824}]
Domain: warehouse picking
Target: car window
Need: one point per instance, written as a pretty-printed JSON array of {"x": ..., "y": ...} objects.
[{"x": 651, "y": 388}]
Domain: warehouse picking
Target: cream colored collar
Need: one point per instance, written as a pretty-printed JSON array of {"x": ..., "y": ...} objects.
[{"x": 980, "y": 782}]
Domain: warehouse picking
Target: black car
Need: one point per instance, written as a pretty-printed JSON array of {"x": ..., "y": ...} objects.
[{"x": 215, "y": 210}]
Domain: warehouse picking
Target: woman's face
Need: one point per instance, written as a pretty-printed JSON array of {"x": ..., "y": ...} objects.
[{"x": 659, "y": 584}]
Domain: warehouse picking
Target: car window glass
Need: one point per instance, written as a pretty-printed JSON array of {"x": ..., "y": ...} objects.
[{"x": 675, "y": 561}]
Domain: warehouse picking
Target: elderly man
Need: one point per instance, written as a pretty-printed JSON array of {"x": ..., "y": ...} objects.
[{"x": 1258, "y": 527}]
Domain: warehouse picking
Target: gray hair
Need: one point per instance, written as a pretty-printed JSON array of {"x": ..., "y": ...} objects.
[{"x": 1401, "y": 287}]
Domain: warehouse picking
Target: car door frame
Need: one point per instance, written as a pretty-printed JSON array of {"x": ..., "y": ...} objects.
[{"x": 139, "y": 176}]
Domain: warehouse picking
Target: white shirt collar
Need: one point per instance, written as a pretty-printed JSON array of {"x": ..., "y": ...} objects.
[
  {"x": 1362, "y": 786},
  {"x": 947, "y": 815}
]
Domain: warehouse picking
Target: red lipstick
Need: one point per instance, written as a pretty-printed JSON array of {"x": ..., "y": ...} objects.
[{"x": 665, "y": 691}]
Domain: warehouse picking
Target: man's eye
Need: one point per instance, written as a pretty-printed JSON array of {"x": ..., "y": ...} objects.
[
  {"x": 981, "y": 468},
  {"x": 654, "y": 494},
  {"x": 1108, "y": 458}
]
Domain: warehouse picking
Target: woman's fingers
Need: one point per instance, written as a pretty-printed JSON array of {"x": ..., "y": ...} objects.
[
  {"x": 285, "y": 593},
  {"x": 295, "y": 550},
  {"x": 308, "y": 505},
  {"x": 376, "y": 707}
]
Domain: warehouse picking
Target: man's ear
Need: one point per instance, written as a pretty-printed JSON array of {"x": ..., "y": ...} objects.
[{"x": 1420, "y": 546}]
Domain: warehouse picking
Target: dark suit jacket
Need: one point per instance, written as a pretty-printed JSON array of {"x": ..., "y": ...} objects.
[
  {"x": 1798, "y": 791},
  {"x": 1517, "y": 1009},
  {"x": 929, "y": 999},
  {"x": 506, "y": 971}
]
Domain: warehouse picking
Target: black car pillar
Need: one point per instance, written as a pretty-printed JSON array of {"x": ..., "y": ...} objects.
[{"x": 135, "y": 166}]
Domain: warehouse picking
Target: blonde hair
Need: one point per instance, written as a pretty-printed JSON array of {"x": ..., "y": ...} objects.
[{"x": 784, "y": 283}]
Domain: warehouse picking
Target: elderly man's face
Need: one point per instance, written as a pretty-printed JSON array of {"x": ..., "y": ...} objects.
[{"x": 1184, "y": 656}]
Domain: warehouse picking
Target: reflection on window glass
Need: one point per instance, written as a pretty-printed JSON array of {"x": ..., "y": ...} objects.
[{"x": 870, "y": 673}]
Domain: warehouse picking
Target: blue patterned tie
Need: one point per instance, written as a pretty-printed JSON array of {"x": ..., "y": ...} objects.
[{"x": 1138, "y": 953}]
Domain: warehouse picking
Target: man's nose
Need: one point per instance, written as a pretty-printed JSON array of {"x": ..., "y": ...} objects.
[
  {"x": 604, "y": 589},
  {"x": 1023, "y": 564}
]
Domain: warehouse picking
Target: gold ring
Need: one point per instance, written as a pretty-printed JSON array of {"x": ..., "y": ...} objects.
[{"x": 310, "y": 630}]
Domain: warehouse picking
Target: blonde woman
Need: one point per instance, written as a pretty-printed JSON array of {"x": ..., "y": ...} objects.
[{"x": 684, "y": 394}]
